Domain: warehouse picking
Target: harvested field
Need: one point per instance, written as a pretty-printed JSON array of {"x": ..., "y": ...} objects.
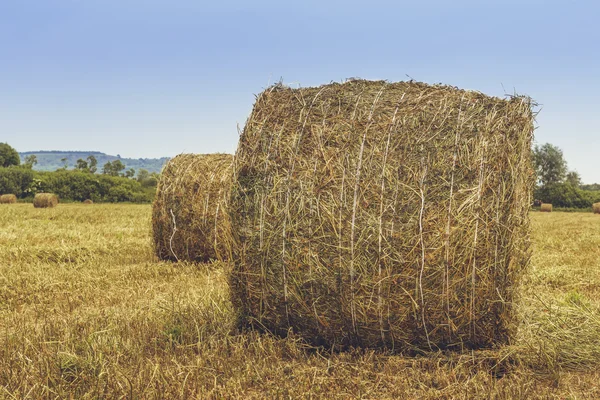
[
  {"x": 383, "y": 215},
  {"x": 87, "y": 312}
]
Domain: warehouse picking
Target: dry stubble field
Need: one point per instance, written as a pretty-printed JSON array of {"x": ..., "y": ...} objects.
[{"x": 87, "y": 312}]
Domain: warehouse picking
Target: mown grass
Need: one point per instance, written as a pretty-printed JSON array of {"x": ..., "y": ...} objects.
[{"x": 87, "y": 312}]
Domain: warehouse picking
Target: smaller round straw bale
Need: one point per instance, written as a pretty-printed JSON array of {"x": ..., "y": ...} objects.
[
  {"x": 45, "y": 200},
  {"x": 546, "y": 207},
  {"x": 190, "y": 219},
  {"x": 8, "y": 199},
  {"x": 596, "y": 208},
  {"x": 88, "y": 201}
]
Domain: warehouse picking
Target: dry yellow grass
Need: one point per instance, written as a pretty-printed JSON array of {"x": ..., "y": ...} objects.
[{"x": 87, "y": 312}]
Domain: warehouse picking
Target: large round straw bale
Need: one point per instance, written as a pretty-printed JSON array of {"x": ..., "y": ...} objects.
[
  {"x": 596, "y": 208},
  {"x": 546, "y": 207},
  {"x": 88, "y": 201},
  {"x": 8, "y": 199},
  {"x": 45, "y": 200},
  {"x": 189, "y": 215},
  {"x": 380, "y": 214}
]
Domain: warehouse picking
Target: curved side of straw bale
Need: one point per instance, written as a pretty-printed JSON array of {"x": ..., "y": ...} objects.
[
  {"x": 596, "y": 208},
  {"x": 546, "y": 207},
  {"x": 45, "y": 200},
  {"x": 87, "y": 201},
  {"x": 8, "y": 199},
  {"x": 189, "y": 214},
  {"x": 385, "y": 215}
]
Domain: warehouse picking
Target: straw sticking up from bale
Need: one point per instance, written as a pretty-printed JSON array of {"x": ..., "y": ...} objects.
[
  {"x": 8, "y": 199},
  {"x": 546, "y": 207},
  {"x": 596, "y": 208},
  {"x": 382, "y": 215},
  {"x": 189, "y": 215},
  {"x": 45, "y": 200}
]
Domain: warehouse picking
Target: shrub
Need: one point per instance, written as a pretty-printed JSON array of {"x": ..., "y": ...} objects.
[
  {"x": 15, "y": 180},
  {"x": 565, "y": 195}
]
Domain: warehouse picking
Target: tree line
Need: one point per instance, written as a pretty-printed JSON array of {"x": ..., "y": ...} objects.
[
  {"x": 556, "y": 184},
  {"x": 114, "y": 183}
]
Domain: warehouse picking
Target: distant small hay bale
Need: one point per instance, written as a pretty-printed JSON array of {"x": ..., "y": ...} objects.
[
  {"x": 546, "y": 207},
  {"x": 45, "y": 200},
  {"x": 596, "y": 208},
  {"x": 87, "y": 201},
  {"x": 382, "y": 215},
  {"x": 8, "y": 199},
  {"x": 189, "y": 215}
]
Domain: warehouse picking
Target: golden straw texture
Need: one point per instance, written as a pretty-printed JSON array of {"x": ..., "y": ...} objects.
[
  {"x": 8, "y": 199},
  {"x": 386, "y": 215},
  {"x": 189, "y": 215},
  {"x": 45, "y": 200}
]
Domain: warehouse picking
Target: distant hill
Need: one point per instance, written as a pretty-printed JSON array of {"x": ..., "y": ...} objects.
[{"x": 51, "y": 160}]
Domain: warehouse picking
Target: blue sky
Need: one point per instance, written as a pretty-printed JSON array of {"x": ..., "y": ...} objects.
[{"x": 152, "y": 78}]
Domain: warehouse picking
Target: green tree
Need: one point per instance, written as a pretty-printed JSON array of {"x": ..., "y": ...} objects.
[
  {"x": 65, "y": 164},
  {"x": 113, "y": 168},
  {"x": 147, "y": 179},
  {"x": 92, "y": 164},
  {"x": 82, "y": 165},
  {"x": 153, "y": 180},
  {"x": 591, "y": 187},
  {"x": 15, "y": 180},
  {"x": 118, "y": 166},
  {"x": 130, "y": 173},
  {"x": 30, "y": 161},
  {"x": 550, "y": 164},
  {"x": 574, "y": 179},
  {"x": 565, "y": 195},
  {"x": 142, "y": 175},
  {"x": 8, "y": 156}
]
